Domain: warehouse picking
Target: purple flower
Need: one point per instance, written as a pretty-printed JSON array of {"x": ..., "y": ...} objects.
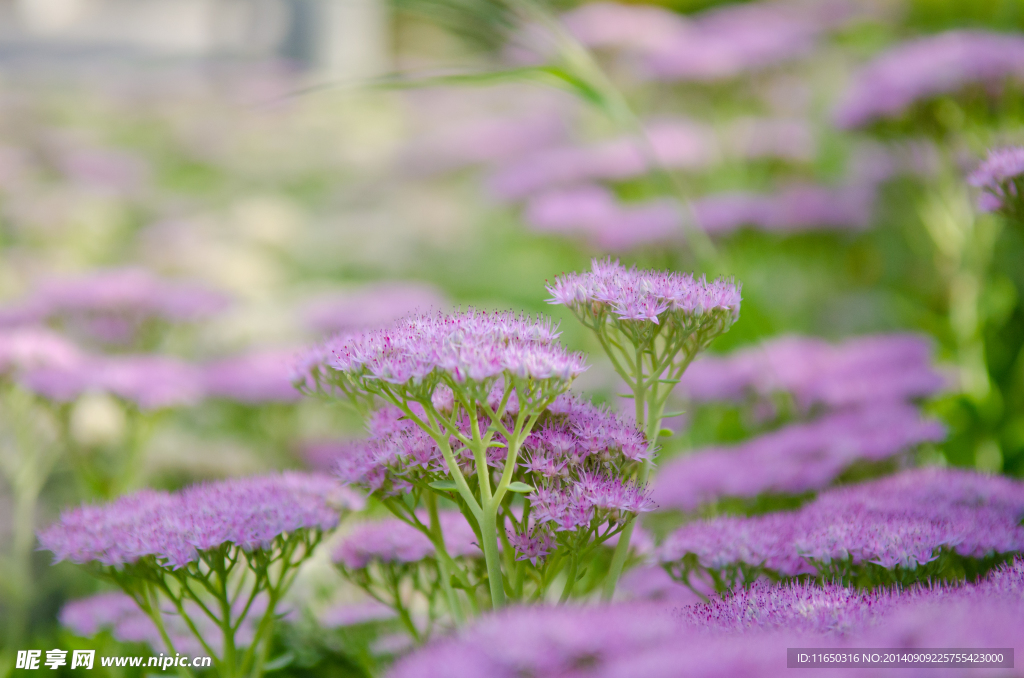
[
  {"x": 872, "y": 368},
  {"x": 795, "y": 208},
  {"x": 394, "y": 541},
  {"x": 371, "y": 306},
  {"x": 928, "y": 67},
  {"x": 593, "y": 212},
  {"x": 150, "y": 381},
  {"x": 901, "y": 520},
  {"x": 249, "y": 513},
  {"x": 254, "y": 378},
  {"x": 678, "y": 144},
  {"x": 488, "y": 140},
  {"x": 111, "y": 306},
  {"x": 531, "y": 546},
  {"x": 119, "y": 613},
  {"x": 646, "y": 296},
  {"x": 793, "y": 459},
  {"x": 473, "y": 346},
  {"x": 351, "y": 614},
  {"x": 30, "y": 347},
  {"x": 1000, "y": 176},
  {"x": 724, "y": 43}
]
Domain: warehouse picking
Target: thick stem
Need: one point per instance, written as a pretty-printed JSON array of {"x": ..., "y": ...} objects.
[{"x": 489, "y": 537}]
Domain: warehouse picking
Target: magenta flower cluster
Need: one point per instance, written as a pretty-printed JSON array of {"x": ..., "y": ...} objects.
[
  {"x": 1001, "y": 178},
  {"x": 394, "y": 541},
  {"x": 372, "y": 306},
  {"x": 798, "y": 458},
  {"x": 861, "y": 370},
  {"x": 737, "y": 636},
  {"x": 928, "y": 67},
  {"x": 575, "y": 459},
  {"x": 55, "y": 370},
  {"x": 172, "y": 529},
  {"x": 472, "y": 345},
  {"x": 120, "y": 614},
  {"x": 903, "y": 520},
  {"x": 645, "y": 296},
  {"x": 111, "y": 306}
]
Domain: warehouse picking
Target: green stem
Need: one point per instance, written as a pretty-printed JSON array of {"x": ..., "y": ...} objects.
[
  {"x": 443, "y": 572},
  {"x": 570, "y": 580},
  {"x": 489, "y": 539},
  {"x": 621, "y": 553}
]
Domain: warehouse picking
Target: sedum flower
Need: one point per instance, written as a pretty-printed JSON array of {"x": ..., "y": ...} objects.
[
  {"x": 797, "y": 458},
  {"x": 858, "y": 371},
  {"x": 928, "y": 67},
  {"x": 1001, "y": 178},
  {"x": 371, "y": 306},
  {"x": 254, "y": 378},
  {"x": 218, "y": 556},
  {"x": 173, "y": 529},
  {"x": 906, "y": 520},
  {"x": 114, "y": 307}
]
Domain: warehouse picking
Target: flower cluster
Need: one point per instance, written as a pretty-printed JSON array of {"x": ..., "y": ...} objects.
[
  {"x": 794, "y": 459},
  {"x": 677, "y": 301},
  {"x": 394, "y": 541},
  {"x": 119, "y": 613},
  {"x": 791, "y": 209},
  {"x": 173, "y": 529},
  {"x": 427, "y": 349},
  {"x": 906, "y": 521},
  {"x": 400, "y": 567},
  {"x": 858, "y": 371},
  {"x": 739, "y": 635},
  {"x": 1001, "y": 177},
  {"x": 28, "y": 347},
  {"x": 113, "y": 307},
  {"x": 373, "y": 306},
  {"x": 219, "y": 554},
  {"x": 149, "y": 381},
  {"x": 927, "y": 67},
  {"x": 574, "y": 461},
  {"x": 254, "y": 378}
]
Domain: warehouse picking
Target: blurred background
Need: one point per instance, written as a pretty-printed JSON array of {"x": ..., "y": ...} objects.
[{"x": 320, "y": 165}]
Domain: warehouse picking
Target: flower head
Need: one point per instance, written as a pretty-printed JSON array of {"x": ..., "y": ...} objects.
[
  {"x": 150, "y": 381},
  {"x": 796, "y": 458},
  {"x": 1001, "y": 177},
  {"x": 472, "y": 346},
  {"x": 253, "y": 378},
  {"x": 248, "y": 513},
  {"x": 646, "y": 296},
  {"x": 904, "y": 520},
  {"x": 928, "y": 67},
  {"x": 111, "y": 306},
  {"x": 394, "y": 541}
]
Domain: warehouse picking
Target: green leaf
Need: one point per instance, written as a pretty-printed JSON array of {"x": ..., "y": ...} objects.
[
  {"x": 669, "y": 415},
  {"x": 666, "y": 432},
  {"x": 519, "y": 487},
  {"x": 669, "y": 381},
  {"x": 444, "y": 485}
]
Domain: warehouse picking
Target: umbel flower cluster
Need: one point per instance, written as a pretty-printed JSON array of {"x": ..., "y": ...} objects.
[
  {"x": 907, "y": 526},
  {"x": 1001, "y": 178},
  {"x": 472, "y": 409},
  {"x": 651, "y": 325},
  {"x": 215, "y": 553}
]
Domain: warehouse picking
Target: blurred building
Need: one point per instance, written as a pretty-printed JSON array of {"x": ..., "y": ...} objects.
[{"x": 345, "y": 38}]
